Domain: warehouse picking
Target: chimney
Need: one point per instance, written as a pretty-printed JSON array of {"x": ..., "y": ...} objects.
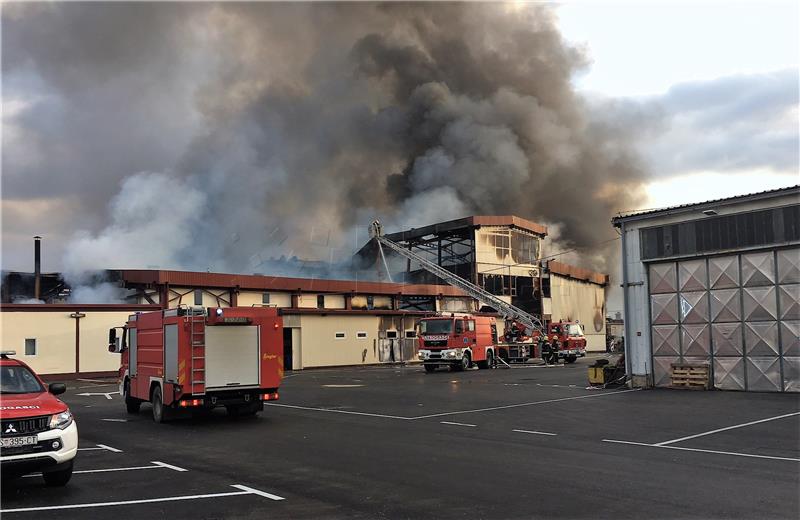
[{"x": 37, "y": 267}]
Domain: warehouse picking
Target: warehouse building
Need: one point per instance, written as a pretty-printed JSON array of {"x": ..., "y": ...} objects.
[
  {"x": 326, "y": 322},
  {"x": 715, "y": 282}
]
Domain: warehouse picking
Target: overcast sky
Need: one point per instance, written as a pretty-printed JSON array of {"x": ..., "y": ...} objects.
[
  {"x": 705, "y": 93},
  {"x": 722, "y": 77}
]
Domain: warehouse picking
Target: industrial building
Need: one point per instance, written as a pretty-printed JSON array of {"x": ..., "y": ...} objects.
[
  {"x": 718, "y": 283},
  {"x": 503, "y": 255},
  {"x": 326, "y": 322}
]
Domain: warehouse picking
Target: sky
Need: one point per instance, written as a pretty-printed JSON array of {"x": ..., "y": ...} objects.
[
  {"x": 257, "y": 116},
  {"x": 646, "y": 52}
]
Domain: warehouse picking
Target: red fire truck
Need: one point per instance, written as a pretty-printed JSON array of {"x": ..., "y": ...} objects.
[
  {"x": 572, "y": 340},
  {"x": 193, "y": 358},
  {"x": 458, "y": 342}
]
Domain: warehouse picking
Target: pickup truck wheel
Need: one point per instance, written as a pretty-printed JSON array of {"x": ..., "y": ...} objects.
[
  {"x": 160, "y": 412},
  {"x": 131, "y": 403},
  {"x": 430, "y": 368},
  {"x": 58, "y": 478}
]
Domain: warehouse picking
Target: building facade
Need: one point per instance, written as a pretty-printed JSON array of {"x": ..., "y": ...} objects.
[{"x": 716, "y": 282}]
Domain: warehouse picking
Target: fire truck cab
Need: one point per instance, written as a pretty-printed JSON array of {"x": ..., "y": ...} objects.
[
  {"x": 571, "y": 337},
  {"x": 457, "y": 342}
]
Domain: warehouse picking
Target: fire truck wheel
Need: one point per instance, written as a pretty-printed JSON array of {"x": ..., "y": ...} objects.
[
  {"x": 570, "y": 359},
  {"x": 160, "y": 412},
  {"x": 131, "y": 403},
  {"x": 465, "y": 362},
  {"x": 58, "y": 478},
  {"x": 430, "y": 368}
]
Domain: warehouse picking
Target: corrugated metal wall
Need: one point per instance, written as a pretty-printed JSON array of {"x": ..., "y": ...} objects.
[{"x": 740, "y": 313}]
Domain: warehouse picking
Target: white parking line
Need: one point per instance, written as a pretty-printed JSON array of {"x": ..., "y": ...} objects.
[
  {"x": 716, "y": 452},
  {"x": 257, "y": 492},
  {"x": 673, "y": 441},
  {"x": 168, "y": 466},
  {"x": 244, "y": 491},
  {"x": 526, "y": 404},
  {"x": 533, "y": 432},
  {"x": 339, "y": 411},
  {"x": 156, "y": 465},
  {"x": 458, "y": 424},
  {"x": 101, "y": 447}
]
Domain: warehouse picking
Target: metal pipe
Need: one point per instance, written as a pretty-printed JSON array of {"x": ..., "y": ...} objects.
[
  {"x": 37, "y": 267},
  {"x": 626, "y": 305}
]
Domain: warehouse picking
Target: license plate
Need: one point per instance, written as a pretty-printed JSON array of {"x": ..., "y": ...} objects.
[{"x": 12, "y": 442}]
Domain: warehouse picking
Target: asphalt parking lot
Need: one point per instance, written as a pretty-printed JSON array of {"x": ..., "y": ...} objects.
[{"x": 386, "y": 442}]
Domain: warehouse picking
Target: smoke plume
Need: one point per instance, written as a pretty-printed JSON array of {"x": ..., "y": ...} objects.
[{"x": 283, "y": 129}]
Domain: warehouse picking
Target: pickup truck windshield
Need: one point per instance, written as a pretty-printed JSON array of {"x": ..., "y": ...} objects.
[
  {"x": 436, "y": 326},
  {"x": 575, "y": 330},
  {"x": 18, "y": 380}
]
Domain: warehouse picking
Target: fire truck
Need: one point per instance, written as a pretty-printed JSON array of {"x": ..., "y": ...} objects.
[
  {"x": 194, "y": 358},
  {"x": 459, "y": 341}
]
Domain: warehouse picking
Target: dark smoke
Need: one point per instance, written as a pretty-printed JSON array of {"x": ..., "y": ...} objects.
[{"x": 241, "y": 132}]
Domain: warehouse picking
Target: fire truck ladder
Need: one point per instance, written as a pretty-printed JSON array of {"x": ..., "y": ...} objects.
[
  {"x": 508, "y": 311},
  {"x": 197, "y": 322}
]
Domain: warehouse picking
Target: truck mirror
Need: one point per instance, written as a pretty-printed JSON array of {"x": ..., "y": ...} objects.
[
  {"x": 57, "y": 388},
  {"x": 114, "y": 342}
]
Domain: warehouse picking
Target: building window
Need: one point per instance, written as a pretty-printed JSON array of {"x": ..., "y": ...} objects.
[
  {"x": 340, "y": 335},
  {"x": 361, "y": 335},
  {"x": 411, "y": 334},
  {"x": 198, "y": 297},
  {"x": 265, "y": 298},
  {"x": 30, "y": 346},
  {"x": 320, "y": 301},
  {"x": 391, "y": 334}
]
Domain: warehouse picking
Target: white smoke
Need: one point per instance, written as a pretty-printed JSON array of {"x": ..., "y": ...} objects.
[{"x": 154, "y": 219}]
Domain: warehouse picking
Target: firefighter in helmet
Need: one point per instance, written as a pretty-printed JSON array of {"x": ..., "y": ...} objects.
[{"x": 555, "y": 345}]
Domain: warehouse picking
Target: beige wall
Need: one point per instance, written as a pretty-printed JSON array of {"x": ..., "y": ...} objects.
[
  {"x": 209, "y": 297},
  {"x": 575, "y": 300},
  {"x": 489, "y": 262},
  {"x": 319, "y": 346},
  {"x": 278, "y": 299},
  {"x": 307, "y": 301},
  {"x": 55, "y": 335}
]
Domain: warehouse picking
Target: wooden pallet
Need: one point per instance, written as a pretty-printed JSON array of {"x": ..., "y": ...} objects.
[{"x": 693, "y": 377}]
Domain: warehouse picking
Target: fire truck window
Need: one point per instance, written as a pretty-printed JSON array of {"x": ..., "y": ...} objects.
[
  {"x": 471, "y": 325},
  {"x": 459, "y": 327},
  {"x": 30, "y": 346},
  {"x": 575, "y": 330},
  {"x": 435, "y": 326},
  {"x": 494, "y": 333}
]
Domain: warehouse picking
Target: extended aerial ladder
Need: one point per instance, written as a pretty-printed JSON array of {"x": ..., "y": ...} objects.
[{"x": 509, "y": 312}]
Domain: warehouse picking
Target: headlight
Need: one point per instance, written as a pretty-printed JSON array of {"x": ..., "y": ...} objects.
[{"x": 61, "y": 420}]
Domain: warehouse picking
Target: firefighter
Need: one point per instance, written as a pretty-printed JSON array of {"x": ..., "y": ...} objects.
[
  {"x": 554, "y": 346},
  {"x": 544, "y": 348}
]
